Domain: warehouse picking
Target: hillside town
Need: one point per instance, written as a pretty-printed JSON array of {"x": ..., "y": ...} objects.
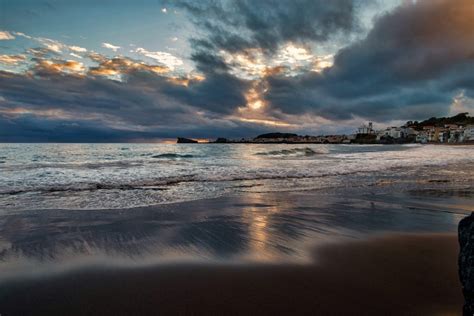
[
  {"x": 449, "y": 133},
  {"x": 458, "y": 129}
]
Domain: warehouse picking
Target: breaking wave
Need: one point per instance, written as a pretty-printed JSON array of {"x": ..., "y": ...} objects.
[
  {"x": 172, "y": 156},
  {"x": 164, "y": 183},
  {"x": 295, "y": 152}
]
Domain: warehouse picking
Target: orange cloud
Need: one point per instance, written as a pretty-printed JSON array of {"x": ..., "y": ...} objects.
[
  {"x": 265, "y": 122},
  {"x": 121, "y": 65},
  {"x": 5, "y": 35},
  {"x": 59, "y": 66},
  {"x": 272, "y": 71},
  {"x": 185, "y": 81},
  {"x": 12, "y": 59},
  {"x": 48, "y": 113}
]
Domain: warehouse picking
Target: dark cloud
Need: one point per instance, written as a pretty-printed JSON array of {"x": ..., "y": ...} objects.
[
  {"x": 239, "y": 25},
  {"x": 416, "y": 42},
  {"x": 409, "y": 66},
  {"x": 31, "y": 128},
  {"x": 236, "y": 26},
  {"x": 57, "y": 100}
]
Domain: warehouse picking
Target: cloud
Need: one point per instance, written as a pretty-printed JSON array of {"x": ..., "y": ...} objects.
[
  {"x": 247, "y": 40},
  {"x": 75, "y": 55},
  {"x": 77, "y": 49},
  {"x": 22, "y": 35},
  {"x": 52, "y": 106},
  {"x": 461, "y": 104},
  {"x": 165, "y": 58},
  {"x": 146, "y": 101},
  {"x": 12, "y": 59},
  {"x": 258, "y": 66},
  {"x": 110, "y": 46},
  {"x": 119, "y": 66},
  {"x": 409, "y": 66},
  {"x": 5, "y": 35},
  {"x": 238, "y": 25},
  {"x": 48, "y": 68},
  {"x": 51, "y": 45}
]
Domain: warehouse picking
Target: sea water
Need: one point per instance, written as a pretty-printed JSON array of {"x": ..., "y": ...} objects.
[
  {"x": 119, "y": 176},
  {"x": 68, "y": 206}
]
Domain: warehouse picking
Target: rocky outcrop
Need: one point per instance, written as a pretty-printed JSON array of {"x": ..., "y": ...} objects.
[
  {"x": 466, "y": 262},
  {"x": 182, "y": 140},
  {"x": 276, "y": 135},
  {"x": 221, "y": 140}
]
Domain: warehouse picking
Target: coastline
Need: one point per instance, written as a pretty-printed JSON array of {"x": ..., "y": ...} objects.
[
  {"x": 394, "y": 274},
  {"x": 471, "y": 143},
  {"x": 388, "y": 248}
]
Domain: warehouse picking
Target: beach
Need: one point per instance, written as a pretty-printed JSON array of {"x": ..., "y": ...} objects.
[
  {"x": 237, "y": 157},
  {"x": 380, "y": 254},
  {"x": 321, "y": 236},
  {"x": 391, "y": 275}
]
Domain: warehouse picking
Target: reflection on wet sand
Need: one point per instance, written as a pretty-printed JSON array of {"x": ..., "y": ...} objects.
[
  {"x": 391, "y": 275},
  {"x": 250, "y": 227},
  {"x": 264, "y": 242}
]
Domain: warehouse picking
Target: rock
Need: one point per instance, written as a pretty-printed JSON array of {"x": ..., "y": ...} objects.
[
  {"x": 276, "y": 135},
  {"x": 466, "y": 262},
  {"x": 182, "y": 140},
  {"x": 221, "y": 140}
]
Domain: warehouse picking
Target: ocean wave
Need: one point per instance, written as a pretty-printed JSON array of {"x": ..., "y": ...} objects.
[
  {"x": 77, "y": 165},
  {"x": 82, "y": 188},
  {"x": 295, "y": 152},
  {"x": 164, "y": 183},
  {"x": 172, "y": 156}
]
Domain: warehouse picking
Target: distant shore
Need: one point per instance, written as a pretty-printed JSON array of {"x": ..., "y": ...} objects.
[
  {"x": 409, "y": 274},
  {"x": 319, "y": 143}
]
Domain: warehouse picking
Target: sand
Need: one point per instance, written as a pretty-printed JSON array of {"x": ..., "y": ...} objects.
[{"x": 387, "y": 275}]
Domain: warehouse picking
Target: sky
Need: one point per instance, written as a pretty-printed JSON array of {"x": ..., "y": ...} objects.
[{"x": 148, "y": 70}]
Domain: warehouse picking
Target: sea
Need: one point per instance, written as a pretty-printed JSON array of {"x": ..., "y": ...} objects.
[
  {"x": 69, "y": 206},
  {"x": 117, "y": 176}
]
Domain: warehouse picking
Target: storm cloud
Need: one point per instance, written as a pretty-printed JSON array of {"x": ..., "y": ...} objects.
[
  {"x": 240, "y": 25},
  {"x": 257, "y": 66},
  {"x": 411, "y": 65}
]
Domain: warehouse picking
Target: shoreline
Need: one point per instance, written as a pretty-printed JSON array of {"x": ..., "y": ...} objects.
[
  {"x": 392, "y": 274},
  {"x": 314, "y": 143}
]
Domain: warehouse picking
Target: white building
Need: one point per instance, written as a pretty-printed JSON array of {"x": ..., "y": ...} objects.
[
  {"x": 469, "y": 133},
  {"x": 366, "y": 129},
  {"x": 396, "y": 132},
  {"x": 422, "y": 137}
]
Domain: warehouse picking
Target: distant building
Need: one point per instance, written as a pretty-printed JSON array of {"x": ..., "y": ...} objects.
[
  {"x": 435, "y": 134},
  {"x": 396, "y": 133},
  {"x": 456, "y": 134},
  {"x": 469, "y": 133},
  {"x": 422, "y": 137},
  {"x": 366, "y": 129},
  {"x": 451, "y": 127}
]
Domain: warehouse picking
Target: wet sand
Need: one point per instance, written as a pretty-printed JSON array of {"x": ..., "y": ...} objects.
[{"x": 403, "y": 274}]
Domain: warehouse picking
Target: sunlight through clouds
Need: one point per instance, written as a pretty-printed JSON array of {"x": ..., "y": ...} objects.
[{"x": 259, "y": 61}]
